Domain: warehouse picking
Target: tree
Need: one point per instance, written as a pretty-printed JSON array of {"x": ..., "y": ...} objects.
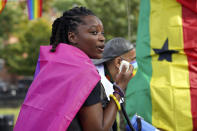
[
  {"x": 21, "y": 58},
  {"x": 8, "y": 20},
  {"x": 9, "y": 24},
  {"x": 114, "y": 16},
  {"x": 62, "y": 5}
]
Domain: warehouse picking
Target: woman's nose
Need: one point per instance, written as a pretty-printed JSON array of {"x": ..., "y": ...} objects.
[{"x": 101, "y": 37}]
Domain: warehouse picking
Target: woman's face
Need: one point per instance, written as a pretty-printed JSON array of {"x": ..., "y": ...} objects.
[
  {"x": 130, "y": 56},
  {"x": 90, "y": 37}
]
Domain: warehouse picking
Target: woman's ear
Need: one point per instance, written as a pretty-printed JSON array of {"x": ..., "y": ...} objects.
[
  {"x": 117, "y": 62},
  {"x": 72, "y": 38}
]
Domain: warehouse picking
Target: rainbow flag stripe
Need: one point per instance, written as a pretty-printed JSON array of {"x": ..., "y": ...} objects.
[
  {"x": 2, "y": 5},
  {"x": 164, "y": 89},
  {"x": 34, "y": 8}
]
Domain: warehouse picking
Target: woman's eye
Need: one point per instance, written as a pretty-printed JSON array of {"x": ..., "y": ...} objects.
[
  {"x": 103, "y": 33},
  {"x": 94, "y": 32}
]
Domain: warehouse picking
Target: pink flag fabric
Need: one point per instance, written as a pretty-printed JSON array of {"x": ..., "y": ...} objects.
[{"x": 64, "y": 81}]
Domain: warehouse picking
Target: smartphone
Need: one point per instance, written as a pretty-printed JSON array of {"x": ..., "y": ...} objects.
[{"x": 125, "y": 63}]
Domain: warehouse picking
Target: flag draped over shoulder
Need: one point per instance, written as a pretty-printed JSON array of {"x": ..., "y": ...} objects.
[
  {"x": 2, "y": 5},
  {"x": 63, "y": 81},
  {"x": 164, "y": 90}
]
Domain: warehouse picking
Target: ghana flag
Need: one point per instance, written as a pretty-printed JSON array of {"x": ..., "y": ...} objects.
[{"x": 164, "y": 90}]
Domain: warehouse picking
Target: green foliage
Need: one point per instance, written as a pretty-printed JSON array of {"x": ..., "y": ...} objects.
[
  {"x": 8, "y": 20},
  {"x": 47, "y": 5},
  {"x": 114, "y": 16},
  {"x": 21, "y": 58},
  {"x": 112, "y": 13},
  {"x": 62, "y": 5}
]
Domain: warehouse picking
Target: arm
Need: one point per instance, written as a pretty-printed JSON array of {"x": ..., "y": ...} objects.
[{"x": 94, "y": 117}]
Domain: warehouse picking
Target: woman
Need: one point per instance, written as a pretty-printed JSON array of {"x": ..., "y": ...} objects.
[{"x": 65, "y": 94}]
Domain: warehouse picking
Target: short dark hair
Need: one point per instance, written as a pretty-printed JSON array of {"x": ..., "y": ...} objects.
[{"x": 67, "y": 23}]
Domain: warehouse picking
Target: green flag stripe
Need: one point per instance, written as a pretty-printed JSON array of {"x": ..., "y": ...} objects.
[{"x": 138, "y": 97}]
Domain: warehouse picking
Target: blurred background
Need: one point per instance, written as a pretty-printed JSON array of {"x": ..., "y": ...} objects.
[{"x": 20, "y": 39}]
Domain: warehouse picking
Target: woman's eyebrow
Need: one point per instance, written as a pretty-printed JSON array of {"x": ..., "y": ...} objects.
[{"x": 94, "y": 26}]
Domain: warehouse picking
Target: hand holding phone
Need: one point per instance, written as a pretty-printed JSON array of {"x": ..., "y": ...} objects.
[{"x": 124, "y": 63}]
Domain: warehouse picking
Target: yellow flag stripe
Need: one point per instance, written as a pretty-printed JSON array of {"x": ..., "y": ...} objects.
[
  {"x": 35, "y": 8},
  {"x": 171, "y": 108}
]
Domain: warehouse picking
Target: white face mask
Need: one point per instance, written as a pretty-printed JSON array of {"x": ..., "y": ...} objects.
[{"x": 125, "y": 63}]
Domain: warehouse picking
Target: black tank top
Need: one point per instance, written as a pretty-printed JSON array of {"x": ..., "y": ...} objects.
[{"x": 97, "y": 95}]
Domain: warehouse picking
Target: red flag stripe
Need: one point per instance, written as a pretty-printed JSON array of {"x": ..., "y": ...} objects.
[
  {"x": 191, "y": 4},
  {"x": 189, "y": 19},
  {"x": 40, "y": 8}
]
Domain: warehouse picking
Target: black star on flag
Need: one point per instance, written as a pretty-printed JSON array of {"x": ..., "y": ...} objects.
[{"x": 164, "y": 52}]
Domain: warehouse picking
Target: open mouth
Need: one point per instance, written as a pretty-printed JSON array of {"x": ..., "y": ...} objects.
[{"x": 100, "y": 48}]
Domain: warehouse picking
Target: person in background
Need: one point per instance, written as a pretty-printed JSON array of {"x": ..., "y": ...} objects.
[
  {"x": 66, "y": 91},
  {"x": 115, "y": 51}
]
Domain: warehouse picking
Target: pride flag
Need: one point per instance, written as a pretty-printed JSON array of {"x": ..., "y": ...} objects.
[
  {"x": 164, "y": 89},
  {"x": 2, "y": 5},
  {"x": 63, "y": 81},
  {"x": 34, "y": 9}
]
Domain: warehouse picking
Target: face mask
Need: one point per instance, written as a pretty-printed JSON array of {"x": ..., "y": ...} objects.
[
  {"x": 135, "y": 67},
  {"x": 125, "y": 63}
]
